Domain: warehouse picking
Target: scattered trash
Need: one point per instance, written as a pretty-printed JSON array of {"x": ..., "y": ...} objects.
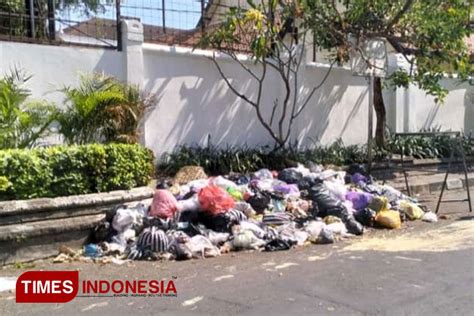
[
  {"x": 408, "y": 259},
  {"x": 229, "y": 276},
  {"x": 285, "y": 265},
  {"x": 92, "y": 250},
  {"x": 389, "y": 219},
  {"x": 214, "y": 200},
  {"x": 412, "y": 210},
  {"x": 431, "y": 217},
  {"x": 164, "y": 204},
  {"x": 189, "y": 173},
  {"x": 193, "y": 216},
  {"x": 192, "y": 301},
  {"x": 92, "y": 306}
]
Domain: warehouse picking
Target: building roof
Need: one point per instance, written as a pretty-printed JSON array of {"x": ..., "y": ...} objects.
[{"x": 105, "y": 29}]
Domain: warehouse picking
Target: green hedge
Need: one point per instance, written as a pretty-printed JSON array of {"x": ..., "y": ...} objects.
[{"x": 70, "y": 170}]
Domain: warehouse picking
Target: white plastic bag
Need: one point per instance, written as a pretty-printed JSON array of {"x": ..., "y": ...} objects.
[
  {"x": 430, "y": 217},
  {"x": 313, "y": 228},
  {"x": 263, "y": 174},
  {"x": 223, "y": 183},
  {"x": 301, "y": 237},
  {"x": 244, "y": 225},
  {"x": 217, "y": 238},
  {"x": 197, "y": 185},
  {"x": 337, "y": 228},
  {"x": 247, "y": 240},
  {"x": 302, "y": 169},
  {"x": 336, "y": 189},
  {"x": 124, "y": 218},
  {"x": 201, "y": 246},
  {"x": 191, "y": 204},
  {"x": 245, "y": 208}
]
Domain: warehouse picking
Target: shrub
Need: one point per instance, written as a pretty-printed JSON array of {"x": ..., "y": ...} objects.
[
  {"x": 22, "y": 123},
  {"x": 127, "y": 167},
  {"x": 75, "y": 169},
  {"x": 102, "y": 110},
  {"x": 29, "y": 175},
  {"x": 216, "y": 160},
  {"x": 69, "y": 170},
  {"x": 243, "y": 159}
]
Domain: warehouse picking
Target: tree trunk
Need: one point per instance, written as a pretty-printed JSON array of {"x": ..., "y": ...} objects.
[{"x": 379, "y": 108}]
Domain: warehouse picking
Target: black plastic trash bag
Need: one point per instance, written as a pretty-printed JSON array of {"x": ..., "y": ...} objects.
[
  {"x": 102, "y": 232},
  {"x": 279, "y": 244},
  {"x": 238, "y": 178},
  {"x": 324, "y": 200},
  {"x": 290, "y": 176},
  {"x": 366, "y": 217},
  {"x": 164, "y": 224},
  {"x": 357, "y": 168},
  {"x": 110, "y": 213},
  {"x": 163, "y": 185},
  {"x": 259, "y": 201},
  {"x": 307, "y": 182},
  {"x": 353, "y": 226},
  {"x": 222, "y": 223}
]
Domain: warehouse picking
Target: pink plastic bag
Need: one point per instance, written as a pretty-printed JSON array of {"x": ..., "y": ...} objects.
[
  {"x": 214, "y": 200},
  {"x": 164, "y": 204}
]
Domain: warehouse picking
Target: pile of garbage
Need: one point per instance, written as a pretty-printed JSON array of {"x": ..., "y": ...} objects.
[{"x": 267, "y": 210}]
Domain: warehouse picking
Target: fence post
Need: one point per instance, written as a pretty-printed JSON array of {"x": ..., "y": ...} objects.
[
  {"x": 51, "y": 20},
  {"x": 163, "y": 15},
  {"x": 118, "y": 22},
  {"x": 10, "y": 28},
  {"x": 30, "y": 22},
  {"x": 203, "y": 26}
]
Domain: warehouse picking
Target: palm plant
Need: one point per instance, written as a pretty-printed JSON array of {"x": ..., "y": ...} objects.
[
  {"x": 22, "y": 123},
  {"x": 102, "y": 110}
]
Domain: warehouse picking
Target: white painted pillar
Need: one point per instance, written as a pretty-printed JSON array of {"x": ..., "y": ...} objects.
[
  {"x": 401, "y": 116},
  {"x": 132, "y": 48},
  {"x": 132, "y": 45}
]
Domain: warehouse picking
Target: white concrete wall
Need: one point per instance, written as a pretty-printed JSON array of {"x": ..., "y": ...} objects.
[
  {"x": 54, "y": 67},
  {"x": 194, "y": 103},
  {"x": 456, "y": 113}
]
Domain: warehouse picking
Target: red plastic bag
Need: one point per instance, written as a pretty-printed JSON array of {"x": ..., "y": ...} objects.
[
  {"x": 164, "y": 204},
  {"x": 215, "y": 200}
]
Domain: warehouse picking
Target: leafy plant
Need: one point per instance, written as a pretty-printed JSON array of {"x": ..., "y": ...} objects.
[
  {"x": 22, "y": 123},
  {"x": 429, "y": 34},
  {"x": 69, "y": 170},
  {"x": 244, "y": 159},
  {"x": 12, "y": 26},
  {"x": 102, "y": 110},
  {"x": 275, "y": 44}
]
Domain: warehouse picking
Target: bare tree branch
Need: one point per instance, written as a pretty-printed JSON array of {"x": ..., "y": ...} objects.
[
  {"x": 231, "y": 87},
  {"x": 314, "y": 90},
  {"x": 275, "y": 105},
  {"x": 236, "y": 59}
]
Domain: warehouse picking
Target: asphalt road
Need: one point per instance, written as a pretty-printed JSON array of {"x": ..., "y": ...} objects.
[{"x": 421, "y": 269}]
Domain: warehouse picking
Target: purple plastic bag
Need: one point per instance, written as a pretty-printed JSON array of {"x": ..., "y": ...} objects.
[
  {"x": 359, "y": 179},
  {"x": 286, "y": 188},
  {"x": 360, "y": 200}
]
